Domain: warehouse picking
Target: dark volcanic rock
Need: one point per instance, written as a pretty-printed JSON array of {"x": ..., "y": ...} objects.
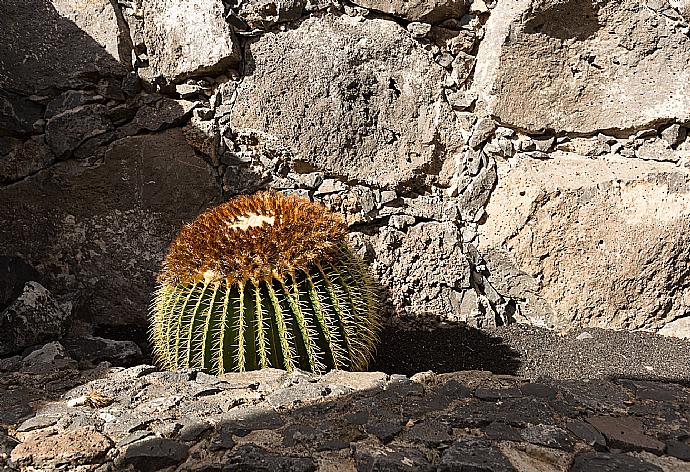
[
  {"x": 479, "y": 456},
  {"x": 102, "y": 234},
  {"x": 625, "y": 433},
  {"x": 14, "y": 274},
  {"x": 254, "y": 458},
  {"x": 590, "y": 461},
  {"x": 153, "y": 454},
  {"x": 385, "y": 459},
  {"x": 33, "y": 318}
]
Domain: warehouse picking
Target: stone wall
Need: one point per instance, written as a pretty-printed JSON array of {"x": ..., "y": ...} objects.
[{"x": 495, "y": 160}]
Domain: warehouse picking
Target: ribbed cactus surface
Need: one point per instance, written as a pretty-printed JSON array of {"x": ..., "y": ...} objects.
[{"x": 264, "y": 281}]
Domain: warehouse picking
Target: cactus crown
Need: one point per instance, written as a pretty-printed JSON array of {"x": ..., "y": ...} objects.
[
  {"x": 259, "y": 237},
  {"x": 264, "y": 281}
]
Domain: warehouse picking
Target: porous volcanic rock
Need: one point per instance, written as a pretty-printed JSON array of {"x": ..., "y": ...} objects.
[
  {"x": 601, "y": 242},
  {"x": 51, "y": 51},
  {"x": 101, "y": 239},
  {"x": 186, "y": 39},
  {"x": 370, "y": 106},
  {"x": 433, "y": 11},
  {"x": 581, "y": 66},
  {"x": 34, "y": 317}
]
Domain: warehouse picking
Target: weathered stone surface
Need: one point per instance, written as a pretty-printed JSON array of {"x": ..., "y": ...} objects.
[
  {"x": 69, "y": 129},
  {"x": 31, "y": 319},
  {"x": 103, "y": 235},
  {"x": 102, "y": 21},
  {"x": 17, "y": 116},
  {"x": 49, "y": 50},
  {"x": 265, "y": 13},
  {"x": 151, "y": 454},
  {"x": 371, "y": 107},
  {"x": 14, "y": 274},
  {"x": 426, "y": 268},
  {"x": 474, "y": 455},
  {"x": 24, "y": 158},
  {"x": 161, "y": 409},
  {"x": 95, "y": 349},
  {"x": 626, "y": 434},
  {"x": 159, "y": 115},
  {"x": 429, "y": 12},
  {"x": 620, "y": 66},
  {"x": 611, "y": 462},
  {"x": 69, "y": 449},
  {"x": 604, "y": 242},
  {"x": 251, "y": 457},
  {"x": 187, "y": 39},
  {"x": 369, "y": 457}
]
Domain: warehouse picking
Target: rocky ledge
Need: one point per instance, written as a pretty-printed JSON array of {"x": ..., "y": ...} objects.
[{"x": 139, "y": 418}]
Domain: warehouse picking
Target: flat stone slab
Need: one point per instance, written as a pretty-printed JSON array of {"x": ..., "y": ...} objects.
[{"x": 469, "y": 420}]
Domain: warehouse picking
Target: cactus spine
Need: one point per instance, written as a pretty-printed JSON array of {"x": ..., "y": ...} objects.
[{"x": 264, "y": 281}]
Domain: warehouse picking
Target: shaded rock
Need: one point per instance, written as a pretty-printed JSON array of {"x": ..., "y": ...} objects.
[
  {"x": 69, "y": 449},
  {"x": 430, "y": 432},
  {"x": 250, "y": 419},
  {"x": 377, "y": 458},
  {"x": 265, "y": 13},
  {"x": 252, "y": 457},
  {"x": 66, "y": 131},
  {"x": 102, "y": 21},
  {"x": 587, "y": 433},
  {"x": 620, "y": 66},
  {"x": 611, "y": 463},
  {"x": 151, "y": 454},
  {"x": 402, "y": 89},
  {"x": 187, "y": 39},
  {"x": 50, "y": 51},
  {"x": 24, "y": 158},
  {"x": 95, "y": 350},
  {"x": 18, "y": 115},
  {"x": 107, "y": 250},
  {"x": 6, "y": 445},
  {"x": 31, "y": 319},
  {"x": 626, "y": 434},
  {"x": 385, "y": 428},
  {"x": 14, "y": 274},
  {"x": 476, "y": 455},
  {"x": 429, "y": 12},
  {"x": 162, "y": 114},
  {"x": 49, "y": 358},
  {"x": 613, "y": 266},
  {"x": 502, "y": 432}
]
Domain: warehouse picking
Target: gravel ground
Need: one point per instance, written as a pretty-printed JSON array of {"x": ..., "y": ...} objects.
[{"x": 533, "y": 352}]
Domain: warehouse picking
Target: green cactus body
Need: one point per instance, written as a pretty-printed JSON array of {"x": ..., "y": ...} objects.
[{"x": 319, "y": 315}]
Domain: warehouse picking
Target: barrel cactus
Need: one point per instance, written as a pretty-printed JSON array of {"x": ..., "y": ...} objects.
[{"x": 264, "y": 281}]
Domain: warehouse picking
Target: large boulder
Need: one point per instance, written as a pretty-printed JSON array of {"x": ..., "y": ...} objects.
[
  {"x": 33, "y": 318},
  {"x": 187, "y": 39},
  {"x": 98, "y": 230},
  {"x": 583, "y": 65},
  {"x": 53, "y": 45},
  {"x": 366, "y": 104},
  {"x": 101, "y": 20},
  {"x": 601, "y": 243}
]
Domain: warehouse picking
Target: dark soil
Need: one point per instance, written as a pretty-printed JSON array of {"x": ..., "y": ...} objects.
[{"x": 534, "y": 352}]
